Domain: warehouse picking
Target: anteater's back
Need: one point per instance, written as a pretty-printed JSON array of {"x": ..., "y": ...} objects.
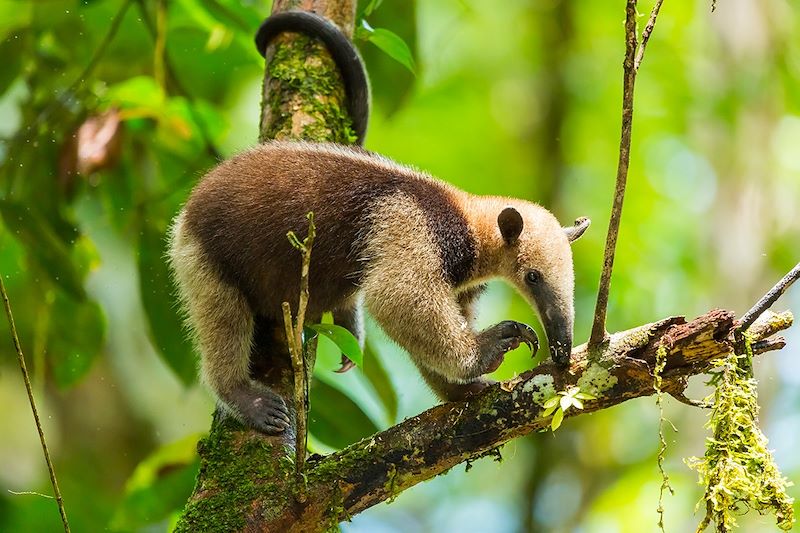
[{"x": 241, "y": 211}]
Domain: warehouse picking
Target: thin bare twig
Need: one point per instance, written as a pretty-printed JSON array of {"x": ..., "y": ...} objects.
[
  {"x": 302, "y": 304},
  {"x": 770, "y": 298},
  {"x": 294, "y": 337},
  {"x": 29, "y": 388},
  {"x": 648, "y": 30},
  {"x": 296, "y": 356},
  {"x": 630, "y": 68}
]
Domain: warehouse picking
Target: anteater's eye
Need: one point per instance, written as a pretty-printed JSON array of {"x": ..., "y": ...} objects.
[{"x": 533, "y": 277}]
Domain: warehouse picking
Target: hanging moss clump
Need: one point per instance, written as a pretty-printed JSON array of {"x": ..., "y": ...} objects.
[{"x": 738, "y": 470}]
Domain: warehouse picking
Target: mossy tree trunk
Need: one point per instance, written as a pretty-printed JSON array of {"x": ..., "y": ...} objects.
[{"x": 246, "y": 480}]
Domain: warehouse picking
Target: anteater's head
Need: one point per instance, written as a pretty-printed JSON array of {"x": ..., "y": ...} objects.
[{"x": 538, "y": 261}]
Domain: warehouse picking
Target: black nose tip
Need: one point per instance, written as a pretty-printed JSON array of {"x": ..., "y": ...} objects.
[{"x": 560, "y": 352}]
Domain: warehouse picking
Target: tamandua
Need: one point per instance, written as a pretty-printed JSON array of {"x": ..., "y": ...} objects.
[{"x": 413, "y": 250}]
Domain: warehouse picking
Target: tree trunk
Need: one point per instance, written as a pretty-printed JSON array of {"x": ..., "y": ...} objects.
[{"x": 245, "y": 480}]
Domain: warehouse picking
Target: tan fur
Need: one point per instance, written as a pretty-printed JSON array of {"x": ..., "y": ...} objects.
[{"x": 542, "y": 245}]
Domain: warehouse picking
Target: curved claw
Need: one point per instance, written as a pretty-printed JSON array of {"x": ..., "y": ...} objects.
[
  {"x": 529, "y": 337},
  {"x": 346, "y": 365}
]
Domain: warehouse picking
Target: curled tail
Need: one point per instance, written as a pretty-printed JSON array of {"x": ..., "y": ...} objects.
[
  {"x": 344, "y": 54},
  {"x": 221, "y": 323}
]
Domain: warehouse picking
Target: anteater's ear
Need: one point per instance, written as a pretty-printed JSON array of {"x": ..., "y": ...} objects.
[
  {"x": 510, "y": 223},
  {"x": 574, "y": 232}
]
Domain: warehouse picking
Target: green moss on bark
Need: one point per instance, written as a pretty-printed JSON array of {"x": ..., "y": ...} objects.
[
  {"x": 242, "y": 470},
  {"x": 306, "y": 87}
]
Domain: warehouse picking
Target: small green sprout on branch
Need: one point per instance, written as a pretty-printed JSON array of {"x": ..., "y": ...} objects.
[
  {"x": 559, "y": 404},
  {"x": 342, "y": 338}
]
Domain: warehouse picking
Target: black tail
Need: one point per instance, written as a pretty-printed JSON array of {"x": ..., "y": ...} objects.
[{"x": 340, "y": 47}]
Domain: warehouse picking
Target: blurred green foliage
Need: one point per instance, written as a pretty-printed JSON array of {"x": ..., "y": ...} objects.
[{"x": 516, "y": 98}]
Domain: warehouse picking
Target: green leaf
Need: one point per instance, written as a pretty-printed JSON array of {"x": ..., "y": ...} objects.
[
  {"x": 345, "y": 340},
  {"x": 179, "y": 452},
  {"x": 585, "y": 396},
  {"x": 159, "y": 485},
  {"x": 548, "y": 411},
  {"x": 379, "y": 379},
  {"x": 551, "y": 402},
  {"x": 557, "y": 419},
  {"x": 372, "y": 6},
  {"x": 49, "y": 252},
  {"x": 141, "y": 95},
  {"x": 75, "y": 338},
  {"x": 157, "y": 291},
  {"x": 392, "y": 44},
  {"x": 335, "y": 419},
  {"x": 308, "y": 334}
]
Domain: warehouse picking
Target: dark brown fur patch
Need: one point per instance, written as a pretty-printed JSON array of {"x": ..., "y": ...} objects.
[{"x": 243, "y": 208}]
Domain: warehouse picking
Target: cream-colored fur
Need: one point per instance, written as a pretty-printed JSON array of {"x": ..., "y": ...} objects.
[
  {"x": 218, "y": 316},
  {"x": 406, "y": 292}
]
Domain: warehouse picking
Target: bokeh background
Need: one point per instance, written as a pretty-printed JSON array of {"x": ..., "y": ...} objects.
[{"x": 519, "y": 98}]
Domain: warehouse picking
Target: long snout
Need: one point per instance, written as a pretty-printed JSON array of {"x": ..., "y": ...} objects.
[
  {"x": 559, "y": 337},
  {"x": 557, "y": 314}
]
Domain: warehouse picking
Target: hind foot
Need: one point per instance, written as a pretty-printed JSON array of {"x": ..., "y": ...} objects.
[{"x": 261, "y": 409}]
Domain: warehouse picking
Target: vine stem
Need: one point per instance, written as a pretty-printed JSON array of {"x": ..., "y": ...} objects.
[
  {"x": 658, "y": 382},
  {"x": 634, "y": 54},
  {"x": 29, "y": 389}
]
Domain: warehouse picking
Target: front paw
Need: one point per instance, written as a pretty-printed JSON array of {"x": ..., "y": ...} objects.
[{"x": 494, "y": 342}]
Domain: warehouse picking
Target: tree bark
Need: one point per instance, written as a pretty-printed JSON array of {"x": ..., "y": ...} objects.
[
  {"x": 246, "y": 480},
  {"x": 303, "y": 96}
]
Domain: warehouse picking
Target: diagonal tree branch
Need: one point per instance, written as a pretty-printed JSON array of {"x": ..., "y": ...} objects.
[
  {"x": 442, "y": 437},
  {"x": 378, "y": 468},
  {"x": 770, "y": 298}
]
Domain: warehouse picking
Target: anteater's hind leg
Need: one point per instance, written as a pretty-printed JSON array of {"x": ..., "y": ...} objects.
[{"x": 222, "y": 325}]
